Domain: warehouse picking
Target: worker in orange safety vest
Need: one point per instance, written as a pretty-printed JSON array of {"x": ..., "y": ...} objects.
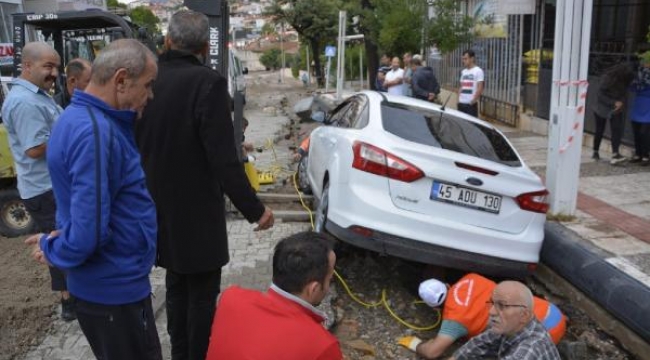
[{"x": 466, "y": 312}]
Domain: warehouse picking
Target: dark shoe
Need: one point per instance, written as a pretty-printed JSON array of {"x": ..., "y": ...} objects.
[
  {"x": 617, "y": 159},
  {"x": 635, "y": 159},
  {"x": 595, "y": 156},
  {"x": 67, "y": 309}
]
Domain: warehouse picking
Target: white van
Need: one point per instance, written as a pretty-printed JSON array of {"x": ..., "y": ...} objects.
[{"x": 236, "y": 72}]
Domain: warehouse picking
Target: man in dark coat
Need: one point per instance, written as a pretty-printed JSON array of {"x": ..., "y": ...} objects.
[
  {"x": 424, "y": 83},
  {"x": 189, "y": 155}
]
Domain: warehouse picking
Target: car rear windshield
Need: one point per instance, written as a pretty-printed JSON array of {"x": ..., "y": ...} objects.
[{"x": 442, "y": 130}]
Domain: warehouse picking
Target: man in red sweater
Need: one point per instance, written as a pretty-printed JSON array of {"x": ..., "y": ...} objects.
[{"x": 283, "y": 322}]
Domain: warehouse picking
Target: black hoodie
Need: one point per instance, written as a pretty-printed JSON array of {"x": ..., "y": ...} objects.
[{"x": 424, "y": 82}]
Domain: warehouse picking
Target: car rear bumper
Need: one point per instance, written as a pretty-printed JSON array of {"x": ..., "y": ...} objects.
[{"x": 431, "y": 254}]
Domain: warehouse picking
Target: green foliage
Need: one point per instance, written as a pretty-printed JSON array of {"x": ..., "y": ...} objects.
[
  {"x": 114, "y": 4},
  {"x": 400, "y": 25},
  {"x": 272, "y": 59},
  {"x": 144, "y": 17},
  {"x": 268, "y": 29},
  {"x": 645, "y": 56},
  {"x": 449, "y": 29}
]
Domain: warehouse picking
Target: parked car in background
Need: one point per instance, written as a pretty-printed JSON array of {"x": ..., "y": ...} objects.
[
  {"x": 411, "y": 179},
  {"x": 236, "y": 72}
]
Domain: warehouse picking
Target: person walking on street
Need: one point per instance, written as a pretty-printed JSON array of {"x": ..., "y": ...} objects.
[
  {"x": 472, "y": 82},
  {"x": 610, "y": 101},
  {"x": 514, "y": 333},
  {"x": 189, "y": 155},
  {"x": 29, "y": 113},
  {"x": 465, "y": 313},
  {"x": 408, "y": 74},
  {"x": 303, "y": 267},
  {"x": 106, "y": 235},
  {"x": 77, "y": 77},
  {"x": 641, "y": 115},
  {"x": 394, "y": 82},
  {"x": 425, "y": 85}
]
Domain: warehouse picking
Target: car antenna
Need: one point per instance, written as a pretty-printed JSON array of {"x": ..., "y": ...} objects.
[{"x": 446, "y": 101}]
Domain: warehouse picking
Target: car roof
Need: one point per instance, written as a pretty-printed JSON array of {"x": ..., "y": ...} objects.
[{"x": 405, "y": 100}]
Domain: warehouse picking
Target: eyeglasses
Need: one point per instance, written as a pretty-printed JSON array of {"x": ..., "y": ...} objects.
[{"x": 500, "y": 306}]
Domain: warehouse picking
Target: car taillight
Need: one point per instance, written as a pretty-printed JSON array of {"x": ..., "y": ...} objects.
[
  {"x": 374, "y": 160},
  {"x": 534, "y": 201}
]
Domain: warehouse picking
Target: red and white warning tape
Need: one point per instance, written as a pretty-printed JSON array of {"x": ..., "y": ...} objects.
[{"x": 584, "y": 84}]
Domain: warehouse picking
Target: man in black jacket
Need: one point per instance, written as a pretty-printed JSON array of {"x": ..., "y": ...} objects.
[
  {"x": 190, "y": 159},
  {"x": 424, "y": 83}
]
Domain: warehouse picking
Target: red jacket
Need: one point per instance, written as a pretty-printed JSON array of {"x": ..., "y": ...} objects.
[{"x": 252, "y": 325}]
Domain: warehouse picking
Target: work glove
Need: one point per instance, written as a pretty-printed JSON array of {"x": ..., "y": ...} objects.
[{"x": 409, "y": 342}]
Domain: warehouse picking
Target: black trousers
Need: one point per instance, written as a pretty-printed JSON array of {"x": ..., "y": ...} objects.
[
  {"x": 470, "y": 109},
  {"x": 120, "y": 332},
  {"x": 616, "y": 124},
  {"x": 42, "y": 208},
  {"x": 641, "y": 139},
  {"x": 191, "y": 301}
]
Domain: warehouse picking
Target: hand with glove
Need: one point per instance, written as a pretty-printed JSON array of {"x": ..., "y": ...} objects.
[{"x": 409, "y": 342}]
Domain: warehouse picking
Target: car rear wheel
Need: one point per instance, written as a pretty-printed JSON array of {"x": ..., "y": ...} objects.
[
  {"x": 303, "y": 180},
  {"x": 321, "y": 210},
  {"x": 15, "y": 220}
]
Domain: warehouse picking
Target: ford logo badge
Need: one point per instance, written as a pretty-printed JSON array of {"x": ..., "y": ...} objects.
[{"x": 474, "y": 181}]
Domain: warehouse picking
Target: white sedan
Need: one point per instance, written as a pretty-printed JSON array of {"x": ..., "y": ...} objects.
[{"x": 411, "y": 179}]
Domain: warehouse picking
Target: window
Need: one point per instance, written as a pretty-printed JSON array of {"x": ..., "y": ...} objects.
[
  {"x": 441, "y": 130},
  {"x": 359, "y": 112},
  {"x": 338, "y": 115}
]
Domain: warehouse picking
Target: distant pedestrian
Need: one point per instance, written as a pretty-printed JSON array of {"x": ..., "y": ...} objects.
[
  {"x": 106, "y": 239},
  {"x": 641, "y": 115},
  {"x": 190, "y": 158},
  {"x": 283, "y": 322},
  {"x": 77, "y": 77},
  {"x": 425, "y": 85},
  {"x": 610, "y": 101},
  {"x": 408, "y": 74},
  {"x": 384, "y": 67},
  {"x": 472, "y": 82},
  {"x": 394, "y": 82},
  {"x": 29, "y": 114}
]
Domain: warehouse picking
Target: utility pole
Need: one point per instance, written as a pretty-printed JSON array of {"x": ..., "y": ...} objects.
[
  {"x": 340, "y": 66},
  {"x": 568, "y": 97},
  {"x": 282, "y": 52}
]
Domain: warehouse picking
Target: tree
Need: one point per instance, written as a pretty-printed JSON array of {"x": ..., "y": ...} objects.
[
  {"x": 114, "y": 4},
  {"x": 271, "y": 59},
  {"x": 400, "y": 25},
  {"x": 268, "y": 29},
  {"x": 316, "y": 21},
  {"x": 144, "y": 17},
  {"x": 449, "y": 28}
]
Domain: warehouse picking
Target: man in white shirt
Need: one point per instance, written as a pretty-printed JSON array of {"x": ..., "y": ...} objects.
[
  {"x": 394, "y": 82},
  {"x": 471, "y": 85}
]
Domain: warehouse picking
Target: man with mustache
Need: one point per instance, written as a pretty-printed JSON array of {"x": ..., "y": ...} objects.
[
  {"x": 513, "y": 333},
  {"x": 29, "y": 114},
  {"x": 465, "y": 313}
]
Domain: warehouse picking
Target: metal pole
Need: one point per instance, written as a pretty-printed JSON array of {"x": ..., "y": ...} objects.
[
  {"x": 282, "y": 51},
  {"x": 327, "y": 73},
  {"x": 340, "y": 64},
  {"x": 308, "y": 63},
  {"x": 360, "y": 67},
  {"x": 572, "y": 38}
]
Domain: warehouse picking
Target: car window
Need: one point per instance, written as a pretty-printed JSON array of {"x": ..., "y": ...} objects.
[
  {"x": 338, "y": 115},
  {"x": 442, "y": 130},
  {"x": 358, "y": 113}
]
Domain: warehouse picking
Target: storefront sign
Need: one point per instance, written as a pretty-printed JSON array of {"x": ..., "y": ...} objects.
[{"x": 6, "y": 54}]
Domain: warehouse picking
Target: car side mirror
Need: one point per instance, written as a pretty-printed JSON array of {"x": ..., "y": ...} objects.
[
  {"x": 318, "y": 116},
  {"x": 245, "y": 71}
]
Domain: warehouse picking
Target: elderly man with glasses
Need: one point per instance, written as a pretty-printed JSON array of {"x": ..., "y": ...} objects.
[{"x": 469, "y": 306}]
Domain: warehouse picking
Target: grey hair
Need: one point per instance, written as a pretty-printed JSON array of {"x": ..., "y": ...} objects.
[
  {"x": 76, "y": 67},
  {"x": 527, "y": 297},
  {"x": 188, "y": 31},
  {"x": 416, "y": 61},
  {"x": 126, "y": 54}
]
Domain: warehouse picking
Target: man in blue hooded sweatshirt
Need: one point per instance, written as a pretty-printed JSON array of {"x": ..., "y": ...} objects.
[{"x": 106, "y": 220}]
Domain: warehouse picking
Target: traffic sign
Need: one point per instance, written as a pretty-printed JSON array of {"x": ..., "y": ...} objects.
[{"x": 330, "y": 51}]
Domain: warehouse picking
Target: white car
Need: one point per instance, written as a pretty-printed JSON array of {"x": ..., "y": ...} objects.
[{"x": 411, "y": 179}]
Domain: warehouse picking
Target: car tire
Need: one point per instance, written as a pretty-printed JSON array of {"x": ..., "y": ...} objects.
[
  {"x": 15, "y": 220},
  {"x": 321, "y": 210},
  {"x": 303, "y": 179}
]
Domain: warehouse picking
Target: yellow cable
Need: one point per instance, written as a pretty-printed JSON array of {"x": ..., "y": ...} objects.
[{"x": 383, "y": 300}]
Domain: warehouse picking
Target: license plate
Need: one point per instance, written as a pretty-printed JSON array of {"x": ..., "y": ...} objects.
[{"x": 458, "y": 195}]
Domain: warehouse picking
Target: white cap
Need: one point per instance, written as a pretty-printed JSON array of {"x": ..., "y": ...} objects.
[{"x": 433, "y": 292}]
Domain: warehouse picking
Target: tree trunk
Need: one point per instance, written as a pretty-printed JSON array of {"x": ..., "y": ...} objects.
[
  {"x": 316, "y": 51},
  {"x": 372, "y": 62}
]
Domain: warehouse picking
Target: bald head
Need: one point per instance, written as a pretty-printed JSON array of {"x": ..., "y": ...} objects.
[
  {"x": 512, "y": 308},
  {"x": 518, "y": 292},
  {"x": 40, "y": 64}
]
